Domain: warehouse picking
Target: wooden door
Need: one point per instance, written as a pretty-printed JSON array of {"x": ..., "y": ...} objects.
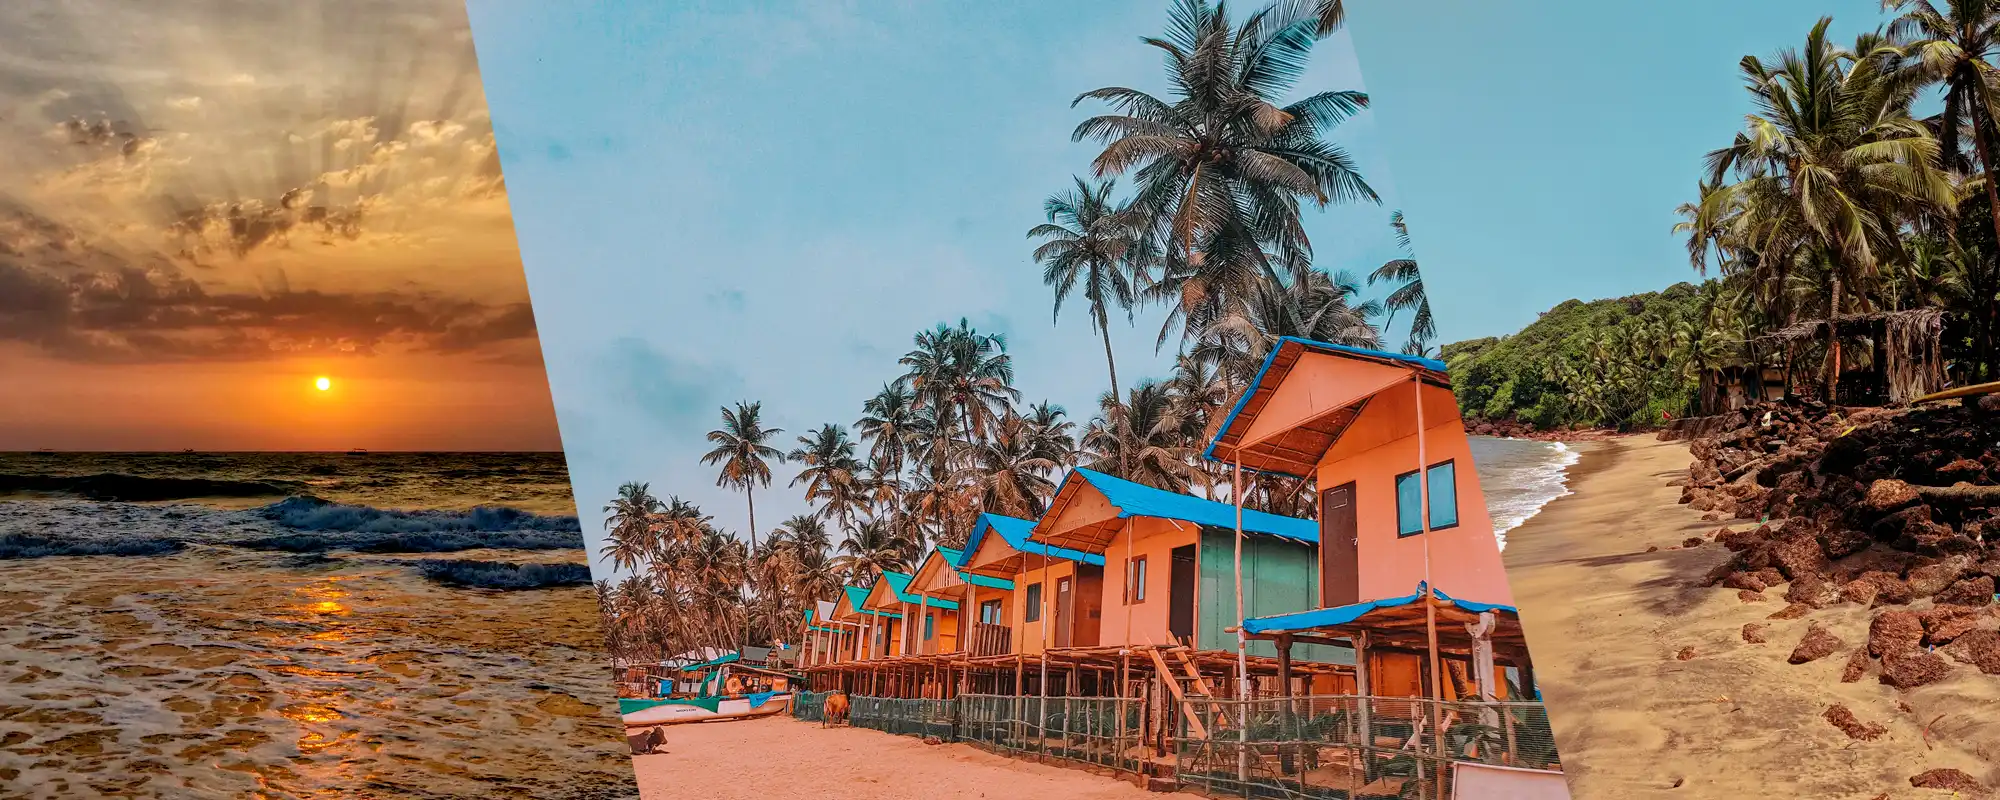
[
  {"x": 1181, "y": 594},
  {"x": 1065, "y": 609},
  {"x": 1339, "y": 547}
]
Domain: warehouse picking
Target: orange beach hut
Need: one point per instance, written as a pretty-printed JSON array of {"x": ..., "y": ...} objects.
[{"x": 1056, "y": 595}]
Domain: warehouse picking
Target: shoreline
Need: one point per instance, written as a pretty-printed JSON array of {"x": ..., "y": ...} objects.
[{"x": 1654, "y": 687}]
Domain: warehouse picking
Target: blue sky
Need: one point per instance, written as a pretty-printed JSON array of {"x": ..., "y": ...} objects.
[
  {"x": 1542, "y": 145},
  {"x": 765, "y": 201}
]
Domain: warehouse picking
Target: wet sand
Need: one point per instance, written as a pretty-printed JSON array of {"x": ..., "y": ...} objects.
[
  {"x": 224, "y": 672},
  {"x": 1608, "y": 622},
  {"x": 761, "y": 759}
]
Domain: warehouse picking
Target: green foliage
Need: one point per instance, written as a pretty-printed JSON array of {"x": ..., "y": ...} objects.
[{"x": 1620, "y": 362}]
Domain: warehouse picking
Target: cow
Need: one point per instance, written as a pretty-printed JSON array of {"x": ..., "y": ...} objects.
[
  {"x": 835, "y": 710},
  {"x": 646, "y": 743}
]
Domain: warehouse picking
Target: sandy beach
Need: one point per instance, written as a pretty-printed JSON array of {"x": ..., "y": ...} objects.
[
  {"x": 1652, "y": 687},
  {"x": 782, "y": 757}
]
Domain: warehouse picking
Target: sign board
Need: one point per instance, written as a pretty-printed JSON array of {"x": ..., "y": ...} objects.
[{"x": 1483, "y": 782}]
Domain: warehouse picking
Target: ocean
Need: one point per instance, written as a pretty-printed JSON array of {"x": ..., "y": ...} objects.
[
  {"x": 284, "y": 625},
  {"x": 1519, "y": 476}
]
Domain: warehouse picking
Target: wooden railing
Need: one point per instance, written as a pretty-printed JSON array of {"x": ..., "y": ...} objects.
[{"x": 989, "y": 640}]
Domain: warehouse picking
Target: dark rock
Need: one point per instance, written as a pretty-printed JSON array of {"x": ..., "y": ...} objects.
[
  {"x": 1913, "y": 668},
  {"x": 1814, "y": 591},
  {"x": 1817, "y": 644},
  {"x": 1793, "y": 611},
  {"x": 1753, "y": 632},
  {"x": 1929, "y": 579},
  {"x": 1894, "y": 632},
  {"x": 1977, "y": 591},
  {"x": 1840, "y": 717},
  {"x": 1945, "y": 623},
  {"x": 1860, "y": 591},
  {"x": 1890, "y": 494},
  {"x": 1857, "y": 666},
  {"x": 1685, "y": 654},
  {"x": 1947, "y": 779},
  {"x": 1692, "y": 541},
  {"x": 1799, "y": 554}
]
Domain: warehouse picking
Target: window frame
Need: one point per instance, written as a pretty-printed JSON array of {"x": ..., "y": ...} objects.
[
  {"x": 1396, "y": 491},
  {"x": 1135, "y": 580},
  {"x": 1032, "y": 607}
]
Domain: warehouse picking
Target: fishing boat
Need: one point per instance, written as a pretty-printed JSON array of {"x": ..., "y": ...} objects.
[
  {"x": 717, "y": 689},
  {"x": 358, "y": 451}
]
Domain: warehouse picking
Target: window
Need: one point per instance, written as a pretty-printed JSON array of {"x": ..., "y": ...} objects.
[
  {"x": 1135, "y": 580},
  {"x": 930, "y": 622},
  {"x": 1443, "y": 480},
  {"x": 989, "y": 613},
  {"x": 1034, "y": 613}
]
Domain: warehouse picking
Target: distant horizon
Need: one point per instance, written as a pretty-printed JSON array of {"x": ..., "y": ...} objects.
[{"x": 198, "y": 451}]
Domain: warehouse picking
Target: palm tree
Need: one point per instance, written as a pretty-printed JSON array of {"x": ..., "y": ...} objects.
[
  {"x": 1954, "y": 47},
  {"x": 630, "y": 520},
  {"x": 964, "y": 376},
  {"x": 745, "y": 458},
  {"x": 1409, "y": 293},
  {"x": 1221, "y": 167},
  {"x": 1101, "y": 243},
  {"x": 1830, "y": 164},
  {"x": 888, "y": 425},
  {"x": 1141, "y": 439},
  {"x": 872, "y": 548},
  {"x": 1010, "y": 476},
  {"x": 832, "y": 473}
]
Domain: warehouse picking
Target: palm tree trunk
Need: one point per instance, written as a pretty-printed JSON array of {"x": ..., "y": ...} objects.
[
  {"x": 1104, "y": 328},
  {"x": 1980, "y": 121},
  {"x": 1833, "y": 343},
  {"x": 749, "y": 497}
]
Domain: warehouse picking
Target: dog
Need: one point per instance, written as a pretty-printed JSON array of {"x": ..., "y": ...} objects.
[{"x": 835, "y": 710}]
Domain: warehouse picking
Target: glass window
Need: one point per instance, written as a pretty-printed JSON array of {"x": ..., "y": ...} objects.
[
  {"x": 989, "y": 612},
  {"x": 1444, "y": 495},
  {"x": 1408, "y": 499},
  {"x": 1034, "y": 612},
  {"x": 930, "y": 622},
  {"x": 1443, "y": 480},
  {"x": 1135, "y": 580}
]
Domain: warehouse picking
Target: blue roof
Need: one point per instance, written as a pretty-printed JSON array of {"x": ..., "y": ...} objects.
[
  {"x": 1015, "y": 531},
  {"x": 1342, "y": 615},
  {"x": 899, "y": 583},
  {"x": 1431, "y": 364},
  {"x": 1139, "y": 500},
  {"x": 858, "y": 595},
  {"x": 956, "y": 557}
]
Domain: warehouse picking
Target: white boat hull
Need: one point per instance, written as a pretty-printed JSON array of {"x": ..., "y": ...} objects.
[{"x": 677, "y": 713}]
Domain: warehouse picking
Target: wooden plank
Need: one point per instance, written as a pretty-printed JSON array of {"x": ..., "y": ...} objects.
[
  {"x": 1962, "y": 391},
  {"x": 1174, "y": 687}
]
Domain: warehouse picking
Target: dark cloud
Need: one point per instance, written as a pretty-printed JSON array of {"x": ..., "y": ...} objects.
[{"x": 81, "y": 303}]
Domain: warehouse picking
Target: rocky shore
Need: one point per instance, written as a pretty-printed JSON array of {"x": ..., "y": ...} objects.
[{"x": 1891, "y": 510}]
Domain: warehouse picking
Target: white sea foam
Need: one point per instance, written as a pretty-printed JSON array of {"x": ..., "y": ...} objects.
[{"x": 1519, "y": 477}]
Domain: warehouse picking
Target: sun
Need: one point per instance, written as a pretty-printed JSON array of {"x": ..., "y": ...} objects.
[{"x": 323, "y": 383}]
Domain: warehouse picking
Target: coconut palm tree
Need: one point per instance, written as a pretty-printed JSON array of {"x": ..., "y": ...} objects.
[
  {"x": 965, "y": 376},
  {"x": 1830, "y": 164},
  {"x": 1091, "y": 239},
  {"x": 832, "y": 474},
  {"x": 888, "y": 425},
  {"x": 1221, "y": 166},
  {"x": 741, "y": 450},
  {"x": 1409, "y": 292},
  {"x": 1008, "y": 473},
  {"x": 870, "y": 549},
  {"x": 630, "y": 520},
  {"x": 1142, "y": 437}
]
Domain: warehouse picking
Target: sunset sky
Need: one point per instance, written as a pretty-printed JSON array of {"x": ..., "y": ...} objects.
[{"x": 206, "y": 206}]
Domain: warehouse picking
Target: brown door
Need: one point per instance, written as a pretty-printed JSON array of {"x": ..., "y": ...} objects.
[
  {"x": 1180, "y": 594},
  {"x": 1064, "y": 609},
  {"x": 1340, "y": 558}
]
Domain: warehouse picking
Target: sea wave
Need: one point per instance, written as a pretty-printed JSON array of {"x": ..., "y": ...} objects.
[
  {"x": 120, "y": 487},
  {"x": 502, "y": 575},
  {"x": 1528, "y": 480},
  {"x": 308, "y": 513}
]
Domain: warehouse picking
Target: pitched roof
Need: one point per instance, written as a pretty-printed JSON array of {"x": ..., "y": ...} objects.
[
  {"x": 857, "y": 598},
  {"x": 899, "y": 583},
  {"x": 1282, "y": 357},
  {"x": 1014, "y": 531},
  {"x": 1139, "y": 500},
  {"x": 956, "y": 557}
]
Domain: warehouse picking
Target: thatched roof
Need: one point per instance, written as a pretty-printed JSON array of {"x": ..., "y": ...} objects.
[{"x": 1850, "y": 324}]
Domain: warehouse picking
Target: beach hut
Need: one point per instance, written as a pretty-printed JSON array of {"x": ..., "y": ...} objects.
[
  {"x": 1169, "y": 556},
  {"x": 938, "y": 577},
  {"x": 1048, "y": 605},
  {"x": 870, "y": 626},
  {"x": 823, "y": 640},
  {"x": 1399, "y": 502}
]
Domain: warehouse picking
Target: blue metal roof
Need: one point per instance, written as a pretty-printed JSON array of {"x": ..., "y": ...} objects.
[
  {"x": 1139, "y": 500},
  {"x": 1298, "y": 621},
  {"x": 1015, "y": 531},
  {"x": 1431, "y": 364},
  {"x": 899, "y": 583}
]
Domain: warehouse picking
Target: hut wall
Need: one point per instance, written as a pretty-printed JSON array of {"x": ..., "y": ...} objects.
[
  {"x": 1465, "y": 558},
  {"x": 1279, "y": 577},
  {"x": 1154, "y": 540}
]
